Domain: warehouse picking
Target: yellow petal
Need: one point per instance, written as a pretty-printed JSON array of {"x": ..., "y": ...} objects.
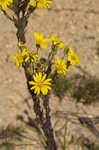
[
  {"x": 32, "y": 83},
  {"x": 43, "y": 78}
]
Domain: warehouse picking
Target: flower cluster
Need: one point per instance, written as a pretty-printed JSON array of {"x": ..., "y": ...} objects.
[
  {"x": 40, "y": 41},
  {"x": 40, "y": 82},
  {"x": 34, "y": 3}
]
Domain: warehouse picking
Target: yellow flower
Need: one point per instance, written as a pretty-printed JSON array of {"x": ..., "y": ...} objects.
[
  {"x": 18, "y": 58},
  {"x": 40, "y": 84},
  {"x": 5, "y": 3},
  {"x": 73, "y": 58},
  {"x": 41, "y": 3},
  {"x": 30, "y": 56},
  {"x": 40, "y": 41},
  {"x": 60, "y": 66},
  {"x": 56, "y": 41}
]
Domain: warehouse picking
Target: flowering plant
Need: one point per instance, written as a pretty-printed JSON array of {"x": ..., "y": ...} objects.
[{"x": 40, "y": 72}]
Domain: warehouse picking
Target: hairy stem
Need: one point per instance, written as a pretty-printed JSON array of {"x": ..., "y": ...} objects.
[{"x": 43, "y": 119}]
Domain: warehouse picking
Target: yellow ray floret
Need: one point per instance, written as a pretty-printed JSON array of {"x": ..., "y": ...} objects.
[
  {"x": 40, "y": 40},
  {"x": 60, "y": 66},
  {"x": 40, "y": 84},
  {"x": 5, "y": 3}
]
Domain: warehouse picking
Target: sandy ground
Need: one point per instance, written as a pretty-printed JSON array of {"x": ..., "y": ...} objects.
[{"x": 76, "y": 23}]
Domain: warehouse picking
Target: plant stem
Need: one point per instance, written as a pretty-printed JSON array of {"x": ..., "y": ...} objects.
[{"x": 43, "y": 119}]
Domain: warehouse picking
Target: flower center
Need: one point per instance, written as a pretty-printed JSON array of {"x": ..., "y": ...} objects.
[
  {"x": 41, "y": 1},
  {"x": 2, "y": 0},
  {"x": 40, "y": 84},
  {"x": 59, "y": 67},
  {"x": 73, "y": 57}
]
